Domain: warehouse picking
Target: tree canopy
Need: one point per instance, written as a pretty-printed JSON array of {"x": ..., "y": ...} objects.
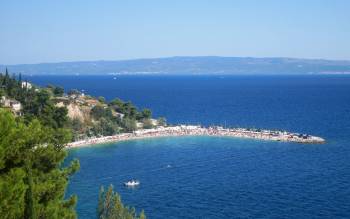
[
  {"x": 110, "y": 206},
  {"x": 37, "y": 103},
  {"x": 32, "y": 181}
]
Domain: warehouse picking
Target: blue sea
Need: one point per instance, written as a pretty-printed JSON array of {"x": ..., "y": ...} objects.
[{"x": 212, "y": 177}]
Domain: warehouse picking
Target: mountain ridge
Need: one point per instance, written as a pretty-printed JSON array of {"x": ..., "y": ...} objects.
[{"x": 191, "y": 65}]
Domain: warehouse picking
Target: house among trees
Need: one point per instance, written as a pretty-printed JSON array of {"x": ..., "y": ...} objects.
[
  {"x": 26, "y": 85},
  {"x": 14, "y": 105}
]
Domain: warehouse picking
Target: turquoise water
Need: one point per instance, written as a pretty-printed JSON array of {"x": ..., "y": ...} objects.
[{"x": 212, "y": 177}]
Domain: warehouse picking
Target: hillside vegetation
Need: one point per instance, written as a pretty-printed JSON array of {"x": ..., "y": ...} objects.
[
  {"x": 35, "y": 125},
  {"x": 84, "y": 115}
]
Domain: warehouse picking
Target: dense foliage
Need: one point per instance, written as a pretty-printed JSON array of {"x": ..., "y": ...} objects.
[
  {"x": 115, "y": 117},
  {"x": 32, "y": 179},
  {"x": 32, "y": 182},
  {"x": 110, "y": 206},
  {"x": 107, "y": 118},
  {"x": 36, "y": 103}
]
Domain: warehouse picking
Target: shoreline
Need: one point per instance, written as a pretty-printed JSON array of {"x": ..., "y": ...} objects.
[{"x": 190, "y": 130}]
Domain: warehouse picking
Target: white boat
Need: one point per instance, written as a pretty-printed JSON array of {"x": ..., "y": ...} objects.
[{"x": 132, "y": 183}]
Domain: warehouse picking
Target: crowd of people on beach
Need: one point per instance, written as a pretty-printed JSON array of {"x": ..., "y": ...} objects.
[{"x": 190, "y": 130}]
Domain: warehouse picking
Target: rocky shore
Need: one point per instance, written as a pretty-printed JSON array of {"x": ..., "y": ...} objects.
[{"x": 189, "y": 130}]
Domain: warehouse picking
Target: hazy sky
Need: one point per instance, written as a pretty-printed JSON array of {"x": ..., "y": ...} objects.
[{"x": 52, "y": 31}]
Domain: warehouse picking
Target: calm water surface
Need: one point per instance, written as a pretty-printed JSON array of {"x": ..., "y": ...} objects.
[{"x": 213, "y": 177}]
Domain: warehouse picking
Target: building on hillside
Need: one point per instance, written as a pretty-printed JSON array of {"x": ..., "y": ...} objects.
[
  {"x": 154, "y": 122},
  {"x": 26, "y": 85},
  {"x": 14, "y": 105},
  {"x": 139, "y": 125}
]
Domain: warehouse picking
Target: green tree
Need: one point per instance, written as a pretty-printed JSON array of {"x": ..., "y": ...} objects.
[
  {"x": 32, "y": 181},
  {"x": 20, "y": 79},
  {"x": 42, "y": 99},
  {"x": 58, "y": 91},
  {"x": 129, "y": 124},
  {"x": 78, "y": 128},
  {"x": 101, "y": 99},
  {"x": 2, "y": 92},
  {"x": 104, "y": 127},
  {"x": 74, "y": 92},
  {"x": 60, "y": 117},
  {"x": 129, "y": 110},
  {"x": 110, "y": 206},
  {"x": 142, "y": 215},
  {"x": 161, "y": 121},
  {"x": 147, "y": 124},
  {"x": 146, "y": 114},
  {"x": 117, "y": 104},
  {"x": 98, "y": 111}
]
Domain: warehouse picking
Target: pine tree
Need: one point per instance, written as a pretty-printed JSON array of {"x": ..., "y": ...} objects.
[
  {"x": 29, "y": 210},
  {"x": 110, "y": 206},
  {"x": 6, "y": 73},
  {"x": 142, "y": 215},
  {"x": 6, "y": 78},
  {"x": 20, "y": 79},
  {"x": 32, "y": 181}
]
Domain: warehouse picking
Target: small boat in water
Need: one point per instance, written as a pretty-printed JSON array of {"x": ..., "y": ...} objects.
[{"x": 132, "y": 183}]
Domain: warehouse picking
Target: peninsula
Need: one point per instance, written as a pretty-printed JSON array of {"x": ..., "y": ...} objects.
[
  {"x": 190, "y": 130},
  {"x": 93, "y": 120}
]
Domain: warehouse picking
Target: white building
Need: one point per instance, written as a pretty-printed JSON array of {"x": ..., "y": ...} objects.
[
  {"x": 26, "y": 85},
  {"x": 14, "y": 105}
]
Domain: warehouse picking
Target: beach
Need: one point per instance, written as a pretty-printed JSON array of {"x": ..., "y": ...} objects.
[{"x": 191, "y": 130}]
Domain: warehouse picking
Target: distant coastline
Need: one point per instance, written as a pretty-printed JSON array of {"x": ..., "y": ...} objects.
[
  {"x": 188, "y": 130},
  {"x": 188, "y": 65}
]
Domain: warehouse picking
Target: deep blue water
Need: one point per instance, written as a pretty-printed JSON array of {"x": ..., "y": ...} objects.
[{"x": 224, "y": 177}]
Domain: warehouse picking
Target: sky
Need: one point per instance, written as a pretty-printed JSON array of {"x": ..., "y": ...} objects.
[{"x": 55, "y": 31}]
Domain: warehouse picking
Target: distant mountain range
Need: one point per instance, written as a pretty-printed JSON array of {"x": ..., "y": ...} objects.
[{"x": 189, "y": 66}]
